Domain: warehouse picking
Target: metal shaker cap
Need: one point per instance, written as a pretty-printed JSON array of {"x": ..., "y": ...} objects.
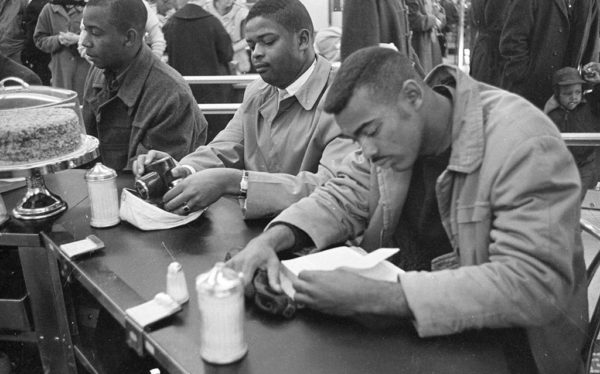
[
  {"x": 100, "y": 172},
  {"x": 220, "y": 281},
  {"x": 174, "y": 267}
]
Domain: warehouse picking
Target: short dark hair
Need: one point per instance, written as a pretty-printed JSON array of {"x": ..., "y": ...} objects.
[
  {"x": 124, "y": 14},
  {"x": 290, "y": 14},
  {"x": 382, "y": 71}
]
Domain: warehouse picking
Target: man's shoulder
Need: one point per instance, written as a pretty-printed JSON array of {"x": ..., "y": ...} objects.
[
  {"x": 164, "y": 79},
  {"x": 509, "y": 117}
]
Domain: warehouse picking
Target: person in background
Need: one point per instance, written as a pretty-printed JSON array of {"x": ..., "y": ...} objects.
[
  {"x": 164, "y": 10},
  {"x": 540, "y": 37},
  {"x": 280, "y": 145},
  {"x": 487, "y": 19},
  {"x": 197, "y": 44},
  {"x": 133, "y": 102},
  {"x": 451, "y": 13},
  {"x": 477, "y": 188},
  {"x": 32, "y": 57},
  {"x": 233, "y": 17},
  {"x": 12, "y": 37},
  {"x": 425, "y": 19},
  {"x": 57, "y": 33},
  {"x": 328, "y": 42},
  {"x": 572, "y": 111},
  {"x": 10, "y": 68},
  {"x": 367, "y": 23}
]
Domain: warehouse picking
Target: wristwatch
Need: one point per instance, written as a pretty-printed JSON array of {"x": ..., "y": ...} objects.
[{"x": 243, "y": 185}]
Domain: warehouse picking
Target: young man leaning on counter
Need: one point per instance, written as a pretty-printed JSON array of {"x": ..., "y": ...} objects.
[{"x": 477, "y": 188}]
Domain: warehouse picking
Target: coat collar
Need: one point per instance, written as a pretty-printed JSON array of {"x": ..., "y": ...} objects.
[
  {"x": 563, "y": 7},
  {"x": 61, "y": 10},
  {"x": 467, "y": 119},
  {"x": 134, "y": 79},
  {"x": 309, "y": 94},
  {"x": 192, "y": 11}
]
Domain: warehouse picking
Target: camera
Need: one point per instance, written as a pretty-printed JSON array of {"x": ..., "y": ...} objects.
[{"x": 158, "y": 179}]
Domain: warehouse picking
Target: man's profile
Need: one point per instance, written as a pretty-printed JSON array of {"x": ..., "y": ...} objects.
[{"x": 133, "y": 102}]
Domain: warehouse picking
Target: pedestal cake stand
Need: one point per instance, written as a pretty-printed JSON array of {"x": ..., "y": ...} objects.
[{"x": 39, "y": 202}]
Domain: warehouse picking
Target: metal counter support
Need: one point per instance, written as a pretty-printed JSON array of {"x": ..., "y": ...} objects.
[{"x": 42, "y": 279}]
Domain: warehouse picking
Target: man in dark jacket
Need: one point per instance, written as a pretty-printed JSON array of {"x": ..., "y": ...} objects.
[
  {"x": 487, "y": 20},
  {"x": 133, "y": 102},
  {"x": 541, "y": 36},
  {"x": 198, "y": 44}
]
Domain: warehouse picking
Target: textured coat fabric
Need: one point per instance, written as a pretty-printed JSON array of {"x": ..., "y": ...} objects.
[
  {"x": 290, "y": 146},
  {"x": 197, "y": 44},
  {"x": 10, "y": 68},
  {"x": 538, "y": 39},
  {"x": 68, "y": 69},
  {"x": 509, "y": 201},
  {"x": 487, "y": 19},
  {"x": 12, "y": 37},
  {"x": 367, "y": 23},
  {"x": 424, "y": 35},
  {"x": 152, "y": 109}
]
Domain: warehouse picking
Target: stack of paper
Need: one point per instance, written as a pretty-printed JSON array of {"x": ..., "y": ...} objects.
[{"x": 372, "y": 265}]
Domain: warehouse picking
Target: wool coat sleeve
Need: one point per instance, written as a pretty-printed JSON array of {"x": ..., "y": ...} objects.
[
  {"x": 515, "y": 41},
  {"x": 339, "y": 210},
  {"x": 43, "y": 35}
]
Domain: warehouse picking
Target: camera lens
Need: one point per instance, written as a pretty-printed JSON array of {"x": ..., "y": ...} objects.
[{"x": 150, "y": 186}]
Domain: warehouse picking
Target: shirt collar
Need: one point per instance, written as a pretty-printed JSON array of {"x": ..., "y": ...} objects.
[
  {"x": 200, "y": 3},
  {"x": 132, "y": 79},
  {"x": 293, "y": 88}
]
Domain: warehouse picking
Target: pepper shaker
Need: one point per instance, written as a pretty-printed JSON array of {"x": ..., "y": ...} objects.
[
  {"x": 104, "y": 199},
  {"x": 176, "y": 284}
]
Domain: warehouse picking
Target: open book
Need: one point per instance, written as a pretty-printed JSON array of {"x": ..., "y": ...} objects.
[{"x": 371, "y": 265}]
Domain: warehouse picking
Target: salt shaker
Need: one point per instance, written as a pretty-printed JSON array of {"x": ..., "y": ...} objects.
[
  {"x": 176, "y": 285},
  {"x": 102, "y": 191},
  {"x": 221, "y": 303}
]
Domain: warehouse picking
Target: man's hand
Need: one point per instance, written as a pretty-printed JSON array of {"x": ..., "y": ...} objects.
[
  {"x": 201, "y": 189},
  {"x": 591, "y": 72},
  {"x": 261, "y": 252},
  {"x": 68, "y": 38},
  {"x": 344, "y": 293},
  {"x": 139, "y": 165}
]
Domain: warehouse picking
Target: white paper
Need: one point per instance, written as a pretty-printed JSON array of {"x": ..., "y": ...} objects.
[
  {"x": 89, "y": 244},
  {"x": 161, "y": 306},
  {"x": 372, "y": 265}
]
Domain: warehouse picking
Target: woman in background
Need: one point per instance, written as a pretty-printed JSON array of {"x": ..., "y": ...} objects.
[
  {"x": 233, "y": 17},
  {"x": 57, "y": 33}
]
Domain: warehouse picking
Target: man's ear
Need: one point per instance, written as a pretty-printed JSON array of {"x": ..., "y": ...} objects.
[
  {"x": 304, "y": 39},
  {"x": 413, "y": 93},
  {"x": 131, "y": 37}
]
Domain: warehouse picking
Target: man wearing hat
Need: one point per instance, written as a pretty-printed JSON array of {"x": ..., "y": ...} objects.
[{"x": 572, "y": 111}]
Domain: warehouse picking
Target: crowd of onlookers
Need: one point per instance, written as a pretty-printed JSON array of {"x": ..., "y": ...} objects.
[
  {"x": 46, "y": 37},
  {"x": 543, "y": 53}
]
